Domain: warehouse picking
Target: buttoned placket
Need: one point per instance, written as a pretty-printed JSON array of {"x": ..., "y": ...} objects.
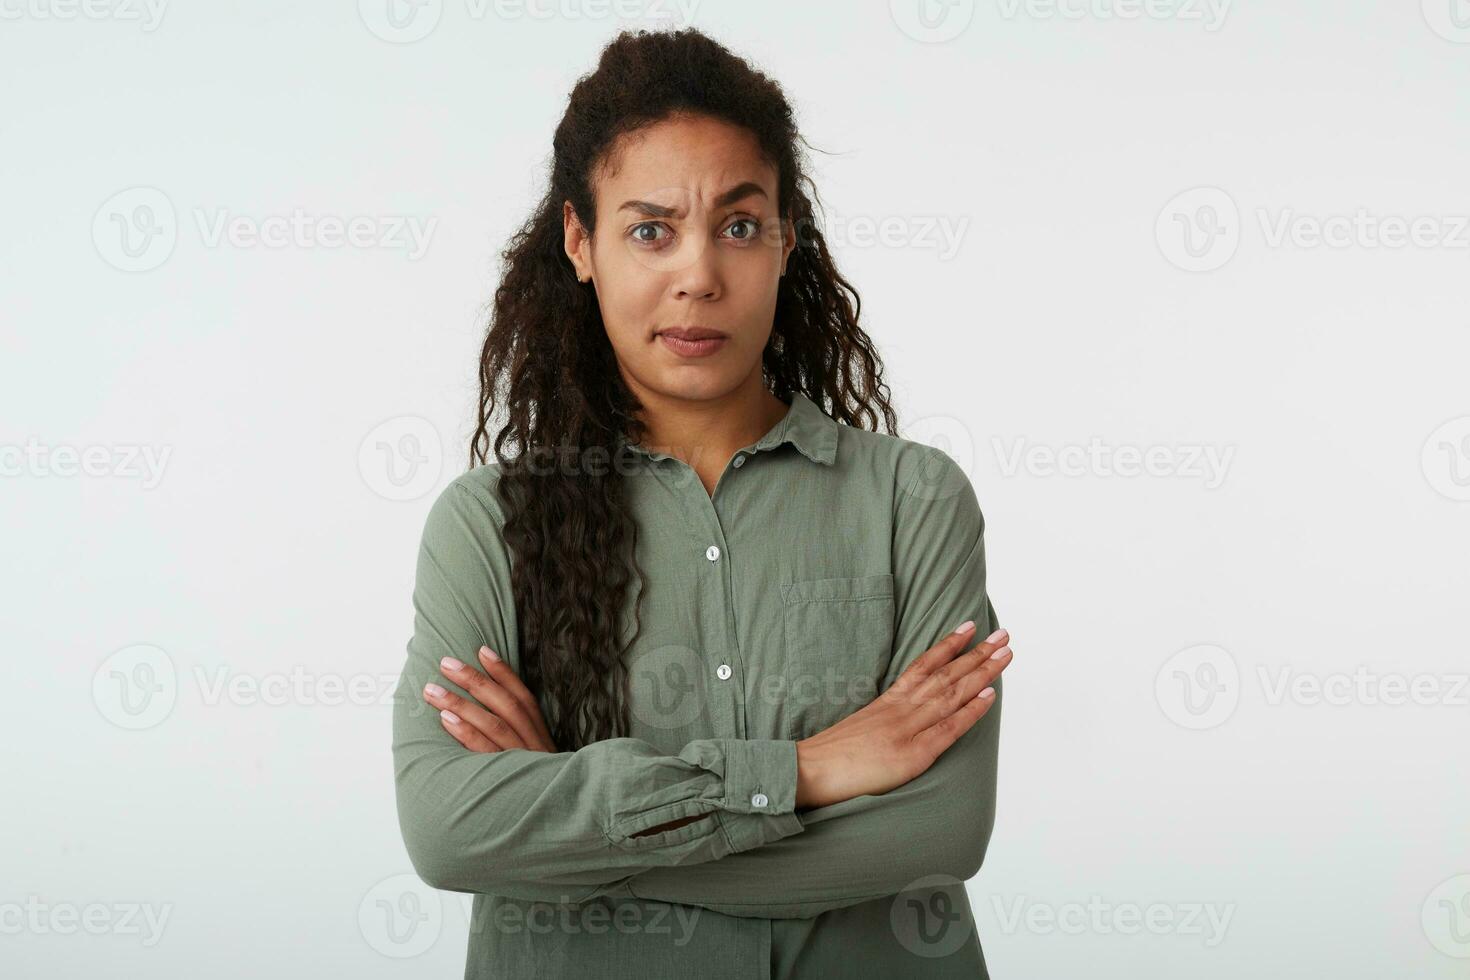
[{"x": 720, "y": 646}]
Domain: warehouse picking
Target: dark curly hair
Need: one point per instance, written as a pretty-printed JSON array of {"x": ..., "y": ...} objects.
[{"x": 548, "y": 362}]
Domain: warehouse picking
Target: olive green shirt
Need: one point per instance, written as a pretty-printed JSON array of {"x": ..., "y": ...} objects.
[{"x": 826, "y": 560}]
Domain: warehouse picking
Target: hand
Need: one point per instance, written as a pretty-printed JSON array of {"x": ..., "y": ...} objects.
[
  {"x": 502, "y": 714},
  {"x": 900, "y": 733}
]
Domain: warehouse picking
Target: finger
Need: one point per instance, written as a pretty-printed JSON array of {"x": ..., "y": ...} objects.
[
  {"x": 490, "y": 725},
  {"x": 502, "y": 674},
  {"x": 940, "y": 736},
  {"x": 947, "y": 690},
  {"x": 942, "y": 656},
  {"x": 975, "y": 681},
  {"x": 496, "y": 699},
  {"x": 467, "y": 735},
  {"x": 934, "y": 657},
  {"x": 984, "y": 655}
]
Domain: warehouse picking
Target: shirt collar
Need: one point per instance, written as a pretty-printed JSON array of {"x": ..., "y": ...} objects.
[{"x": 812, "y": 431}]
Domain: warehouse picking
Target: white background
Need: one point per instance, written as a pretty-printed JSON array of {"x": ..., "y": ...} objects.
[{"x": 292, "y": 394}]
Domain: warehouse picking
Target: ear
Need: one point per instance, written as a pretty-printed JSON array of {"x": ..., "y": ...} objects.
[
  {"x": 576, "y": 242},
  {"x": 788, "y": 242}
]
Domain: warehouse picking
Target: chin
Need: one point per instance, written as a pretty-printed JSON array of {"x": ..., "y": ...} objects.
[{"x": 692, "y": 382}]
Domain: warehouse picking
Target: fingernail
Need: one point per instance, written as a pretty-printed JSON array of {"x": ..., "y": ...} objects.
[
  {"x": 987, "y": 694},
  {"x": 1000, "y": 654},
  {"x": 449, "y": 716},
  {"x": 489, "y": 655},
  {"x": 997, "y": 636},
  {"x": 965, "y": 627},
  {"x": 434, "y": 691},
  {"x": 449, "y": 663}
]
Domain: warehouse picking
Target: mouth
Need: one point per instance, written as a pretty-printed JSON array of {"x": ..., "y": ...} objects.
[{"x": 692, "y": 341}]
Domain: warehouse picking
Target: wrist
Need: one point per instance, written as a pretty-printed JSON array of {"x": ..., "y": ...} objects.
[{"x": 808, "y": 777}]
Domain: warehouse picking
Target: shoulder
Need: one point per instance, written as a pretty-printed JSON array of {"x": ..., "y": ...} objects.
[
  {"x": 468, "y": 507},
  {"x": 921, "y": 475}
]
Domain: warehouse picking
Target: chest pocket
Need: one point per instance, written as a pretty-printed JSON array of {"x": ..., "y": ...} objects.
[{"x": 839, "y": 640}]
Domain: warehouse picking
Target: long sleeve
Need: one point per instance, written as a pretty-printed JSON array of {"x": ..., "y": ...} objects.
[
  {"x": 870, "y": 847},
  {"x": 550, "y": 826}
]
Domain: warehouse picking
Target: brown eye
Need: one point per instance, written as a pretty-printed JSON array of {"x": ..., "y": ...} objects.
[
  {"x": 754, "y": 225},
  {"x": 650, "y": 226}
]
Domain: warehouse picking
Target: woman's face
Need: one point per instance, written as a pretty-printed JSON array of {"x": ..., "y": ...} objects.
[{"x": 688, "y": 237}]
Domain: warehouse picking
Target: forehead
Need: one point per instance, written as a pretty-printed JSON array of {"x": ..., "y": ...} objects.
[{"x": 679, "y": 156}]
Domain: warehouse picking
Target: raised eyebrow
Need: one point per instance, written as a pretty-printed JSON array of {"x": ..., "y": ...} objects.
[{"x": 740, "y": 191}]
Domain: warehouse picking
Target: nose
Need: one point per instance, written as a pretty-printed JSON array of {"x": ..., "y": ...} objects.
[{"x": 698, "y": 278}]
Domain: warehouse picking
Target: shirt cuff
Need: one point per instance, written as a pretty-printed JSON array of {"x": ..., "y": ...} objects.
[{"x": 760, "y": 792}]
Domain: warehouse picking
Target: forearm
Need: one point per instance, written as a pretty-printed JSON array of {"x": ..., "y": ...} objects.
[
  {"x": 568, "y": 826},
  {"x": 860, "y": 849}
]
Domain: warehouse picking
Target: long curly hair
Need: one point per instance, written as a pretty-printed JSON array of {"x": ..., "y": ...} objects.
[{"x": 548, "y": 363}]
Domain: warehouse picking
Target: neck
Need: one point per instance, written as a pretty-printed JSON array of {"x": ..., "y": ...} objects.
[{"x": 708, "y": 431}]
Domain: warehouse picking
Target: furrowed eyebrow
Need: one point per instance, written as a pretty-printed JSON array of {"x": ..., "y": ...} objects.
[{"x": 736, "y": 193}]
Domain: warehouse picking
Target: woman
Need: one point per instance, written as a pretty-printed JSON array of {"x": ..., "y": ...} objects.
[{"x": 697, "y": 683}]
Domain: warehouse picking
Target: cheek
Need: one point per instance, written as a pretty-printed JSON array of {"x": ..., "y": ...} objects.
[{"x": 629, "y": 303}]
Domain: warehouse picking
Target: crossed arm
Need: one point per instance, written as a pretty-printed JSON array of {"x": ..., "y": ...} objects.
[{"x": 619, "y": 818}]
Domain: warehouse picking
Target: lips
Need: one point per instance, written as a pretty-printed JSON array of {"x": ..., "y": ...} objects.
[
  {"x": 692, "y": 341},
  {"x": 691, "y": 333}
]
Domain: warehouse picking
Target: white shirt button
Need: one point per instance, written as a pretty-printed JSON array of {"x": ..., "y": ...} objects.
[
  {"x": 712, "y": 553},
  {"x": 739, "y": 461},
  {"x": 759, "y": 799},
  {"x": 723, "y": 672}
]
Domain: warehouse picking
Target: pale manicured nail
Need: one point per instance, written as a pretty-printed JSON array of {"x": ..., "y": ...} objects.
[
  {"x": 987, "y": 694},
  {"x": 997, "y": 636},
  {"x": 1000, "y": 654},
  {"x": 434, "y": 691},
  {"x": 965, "y": 627},
  {"x": 449, "y": 663},
  {"x": 489, "y": 655},
  {"x": 449, "y": 716}
]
